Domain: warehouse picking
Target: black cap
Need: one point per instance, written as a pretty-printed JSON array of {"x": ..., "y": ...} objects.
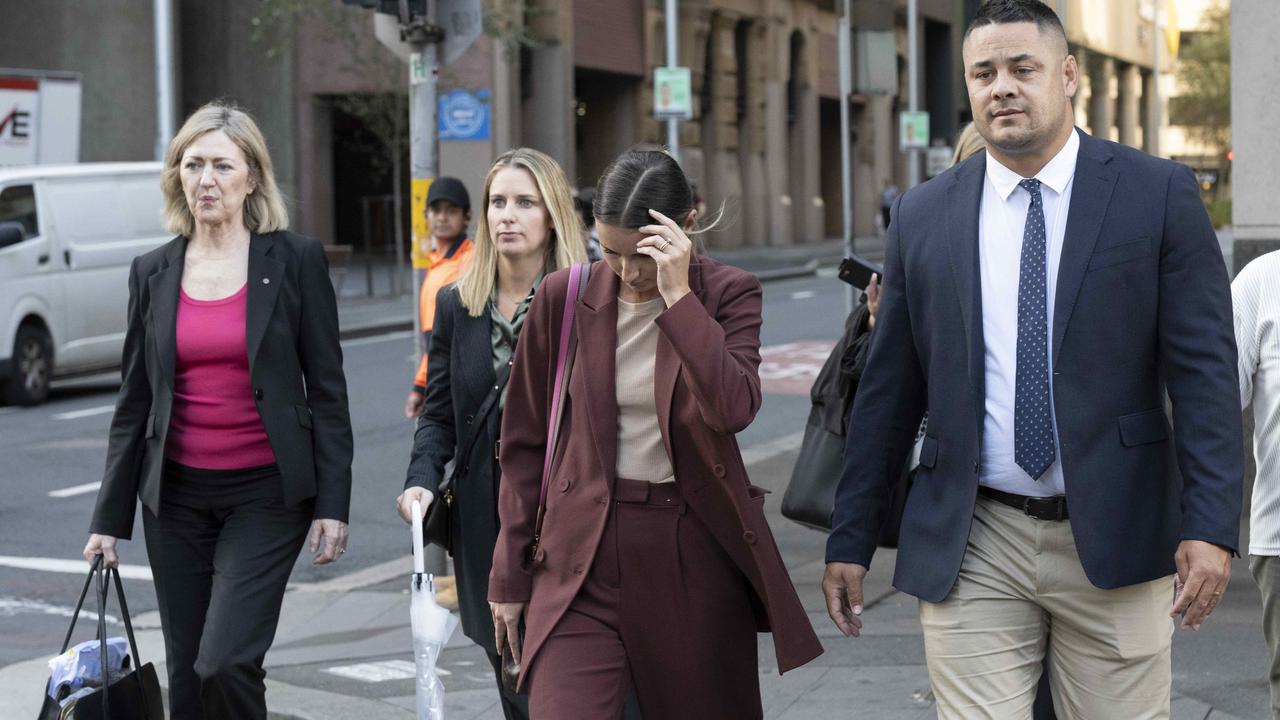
[{"x": 451, "y": 189}]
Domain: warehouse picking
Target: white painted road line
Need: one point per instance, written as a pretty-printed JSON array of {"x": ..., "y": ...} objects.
[
  {"x": 373, "y": 672},
  {"x": 77, "y": 490},
  {"x": 71, "y": 567},
  {"x": 802, "y": 295},
  {"x": 401, "y": 567},
  {"x": 16, "y": 606},
  {"x": 89, "y": 412},
  {"x": 373, "y": 339}
]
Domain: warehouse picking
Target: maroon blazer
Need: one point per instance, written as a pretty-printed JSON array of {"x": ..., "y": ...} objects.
[{"x": 708, "y": 388}]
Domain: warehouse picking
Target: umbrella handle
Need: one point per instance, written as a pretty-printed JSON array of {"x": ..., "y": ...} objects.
[{"x": 419, "y": 563}]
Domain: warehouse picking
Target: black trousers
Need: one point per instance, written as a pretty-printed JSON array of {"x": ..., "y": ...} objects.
[{"x": 221, "y": 553}]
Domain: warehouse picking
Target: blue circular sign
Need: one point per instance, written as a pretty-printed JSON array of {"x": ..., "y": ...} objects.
[{"x": 462, "y": 116}]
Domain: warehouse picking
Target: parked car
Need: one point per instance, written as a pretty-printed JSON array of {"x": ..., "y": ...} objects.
[{"x": 67, "y": 236}]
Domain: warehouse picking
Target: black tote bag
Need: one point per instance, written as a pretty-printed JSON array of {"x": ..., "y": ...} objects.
[{"x": 133, "y": 695}]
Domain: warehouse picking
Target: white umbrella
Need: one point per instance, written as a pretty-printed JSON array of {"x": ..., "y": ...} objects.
[{"x": 432, "y": 626}]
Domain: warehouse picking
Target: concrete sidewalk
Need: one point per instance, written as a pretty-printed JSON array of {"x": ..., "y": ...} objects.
[{"x": 343, "y": 651}]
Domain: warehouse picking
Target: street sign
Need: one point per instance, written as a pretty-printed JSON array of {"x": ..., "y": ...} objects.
[
  {"x": 462, "y": 23},
  {"x": 672, "y": 93},
  {"x": 913, "y": 130},
  {"x": 420, "y": 249},
  {"x": 464, "y": 115},
  {"x": 937, "y": 160}
]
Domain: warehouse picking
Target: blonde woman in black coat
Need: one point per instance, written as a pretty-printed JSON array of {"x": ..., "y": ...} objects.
[{"x": 527, "y": 228}]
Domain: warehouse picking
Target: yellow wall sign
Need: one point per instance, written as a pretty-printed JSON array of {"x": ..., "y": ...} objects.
[{"x": 421, "y": 247}]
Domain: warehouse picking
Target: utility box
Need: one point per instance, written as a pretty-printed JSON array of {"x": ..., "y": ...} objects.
[{"x": 39, "y": 117}]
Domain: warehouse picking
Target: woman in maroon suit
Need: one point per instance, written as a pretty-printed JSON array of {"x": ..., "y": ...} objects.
[{"x": 655, "y": 564}]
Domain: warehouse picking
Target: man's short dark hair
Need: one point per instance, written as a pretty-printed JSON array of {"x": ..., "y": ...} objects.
[{"x": 1000, "y": 12}]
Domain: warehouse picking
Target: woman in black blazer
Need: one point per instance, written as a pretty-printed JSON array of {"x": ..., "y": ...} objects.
[
  {"x": 232, "y": 422},
  {"x": 528, "y": 228}
]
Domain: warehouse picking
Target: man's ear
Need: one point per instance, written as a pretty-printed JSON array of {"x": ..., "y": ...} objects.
[{"x": 1070, "y": 76}]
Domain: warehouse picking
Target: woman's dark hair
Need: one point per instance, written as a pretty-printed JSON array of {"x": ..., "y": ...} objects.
[{"x": 640, "y": 180}]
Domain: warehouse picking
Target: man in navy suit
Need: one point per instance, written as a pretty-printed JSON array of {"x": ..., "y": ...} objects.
[{"x": 1039, "y": 300}]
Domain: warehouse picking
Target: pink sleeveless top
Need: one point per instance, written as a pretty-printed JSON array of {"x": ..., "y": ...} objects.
[{"x": 215, "y": 424}]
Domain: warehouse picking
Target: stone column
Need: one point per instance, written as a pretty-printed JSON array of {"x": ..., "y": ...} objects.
[
  {"x": 1128, "y": 105},
  {"x": 1150, "y": 129},
  {"x": 1255, "y": 75},
  {"x": 1101, "y": 104}
]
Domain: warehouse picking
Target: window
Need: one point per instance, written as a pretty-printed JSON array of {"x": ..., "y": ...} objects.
[{"x": 18, "y": 204}]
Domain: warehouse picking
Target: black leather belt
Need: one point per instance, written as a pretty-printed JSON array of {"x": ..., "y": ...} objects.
[{"x": 1040, "y": 508}]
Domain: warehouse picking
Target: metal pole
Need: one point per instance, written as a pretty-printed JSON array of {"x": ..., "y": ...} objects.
[
  {"x": 673, "y": 124},
  {"x": 424, "y": 159},
  {"x": 913, "y": 84},
  {"x": 165, "y": 90},
  {"x": 846, "y": 161}
]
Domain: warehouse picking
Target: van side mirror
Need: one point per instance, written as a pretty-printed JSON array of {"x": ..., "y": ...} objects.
[{"x": 11, "y": 233}]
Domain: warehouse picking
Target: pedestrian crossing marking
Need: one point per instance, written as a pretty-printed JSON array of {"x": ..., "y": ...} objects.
[{"x": 383, "y": 671}]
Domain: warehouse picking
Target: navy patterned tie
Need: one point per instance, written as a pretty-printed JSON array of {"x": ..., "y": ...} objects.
[{"x": 1032, "y": 421}]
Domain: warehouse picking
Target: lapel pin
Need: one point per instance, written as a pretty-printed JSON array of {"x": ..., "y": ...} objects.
[{"x": 266, "y": 281}]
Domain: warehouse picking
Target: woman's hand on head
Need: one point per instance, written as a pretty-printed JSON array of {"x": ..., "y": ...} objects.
[
  {"x": 873, "y": 300},
  {"x": 669, "y": 246},
  {"x": 404, "y": 503}
]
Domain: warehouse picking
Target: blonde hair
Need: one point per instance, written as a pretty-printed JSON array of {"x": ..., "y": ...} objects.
[
  {"x": 264, "y": 209},
  {"x": 565, "y": 245},
  {"x": 968, "y": 143}
]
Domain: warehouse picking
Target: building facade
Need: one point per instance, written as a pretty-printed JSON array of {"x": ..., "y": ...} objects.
[{"x": 574, "y": 78}]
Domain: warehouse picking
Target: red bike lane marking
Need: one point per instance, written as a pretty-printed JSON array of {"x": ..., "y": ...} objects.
[{"x": 791, "y": 368}]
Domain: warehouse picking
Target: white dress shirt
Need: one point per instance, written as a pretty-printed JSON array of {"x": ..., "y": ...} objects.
[
  {"x": 1255, "y": 300},
  {"x": 1002, "y": 219}
]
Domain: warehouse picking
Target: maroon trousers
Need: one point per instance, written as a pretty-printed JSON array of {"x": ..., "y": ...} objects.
[{"x": 663, "y": 609}]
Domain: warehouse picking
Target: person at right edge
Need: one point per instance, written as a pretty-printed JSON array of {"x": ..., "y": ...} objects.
[
  {"x": 1256, "y": 307},
  {"x": 1039, "y": 299},
  {"x": 655, "y": 566}
]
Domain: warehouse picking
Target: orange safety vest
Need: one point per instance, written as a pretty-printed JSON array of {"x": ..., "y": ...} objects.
[{"x": 446, "y": 266}]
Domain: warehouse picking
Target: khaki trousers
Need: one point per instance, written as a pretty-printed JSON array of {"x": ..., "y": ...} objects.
[
  {"x": 1021, "y": 593},
  {"x": 1266, "y": 570}
]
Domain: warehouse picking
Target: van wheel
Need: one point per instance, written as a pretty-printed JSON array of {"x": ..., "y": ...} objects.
[{"x": 31, "y": 367}]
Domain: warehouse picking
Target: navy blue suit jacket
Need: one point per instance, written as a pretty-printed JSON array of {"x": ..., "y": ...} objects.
[{"x": 1143, "y": 307}]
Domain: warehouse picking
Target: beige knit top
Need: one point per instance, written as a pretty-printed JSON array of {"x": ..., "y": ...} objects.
[{"x": 641, "y": 453}]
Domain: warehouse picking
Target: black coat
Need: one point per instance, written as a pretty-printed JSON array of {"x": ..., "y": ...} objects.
[
  {"x": 295, "y": 369},
  {"x": 459, "y": 378}
]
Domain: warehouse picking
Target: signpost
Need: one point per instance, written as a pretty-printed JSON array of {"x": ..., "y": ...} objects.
[{"x": 913, "y": 131}]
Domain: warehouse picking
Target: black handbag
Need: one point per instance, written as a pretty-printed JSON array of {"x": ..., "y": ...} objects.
[
  {"x": 437, "y": 526},
  {"x": 811, "y": 495},
  {"x": 131, "y": 695}
]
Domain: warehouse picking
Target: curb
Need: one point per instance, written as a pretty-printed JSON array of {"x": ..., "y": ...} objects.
[{"x": 376, "y": 328}]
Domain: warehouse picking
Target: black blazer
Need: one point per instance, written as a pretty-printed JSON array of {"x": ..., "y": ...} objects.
[
  {"x": 1143, "y": 307},
  {"x": 459, "y": 378},
  {"x": 295, "y": 367}
]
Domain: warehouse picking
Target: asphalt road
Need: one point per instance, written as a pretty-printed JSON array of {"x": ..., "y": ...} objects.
[{"x": 62, "y": 444}]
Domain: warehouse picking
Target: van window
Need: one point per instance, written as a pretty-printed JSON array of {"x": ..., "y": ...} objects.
[
  {"x": 108, "y": 210},
  {"x": 18, "y": 204}
]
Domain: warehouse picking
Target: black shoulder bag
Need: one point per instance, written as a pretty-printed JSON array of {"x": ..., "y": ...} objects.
[{"x": 437, "y": 525}]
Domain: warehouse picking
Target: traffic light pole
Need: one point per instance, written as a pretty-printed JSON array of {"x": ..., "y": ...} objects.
[{"x": 424, "y": 37}]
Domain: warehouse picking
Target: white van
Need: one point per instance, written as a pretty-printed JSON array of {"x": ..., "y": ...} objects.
[{"x": 67, "y": 236}]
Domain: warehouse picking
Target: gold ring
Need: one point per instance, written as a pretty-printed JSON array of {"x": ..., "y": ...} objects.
[
  {"x": 1217, "y": 592},
  {"x": 665, "y": 244}
]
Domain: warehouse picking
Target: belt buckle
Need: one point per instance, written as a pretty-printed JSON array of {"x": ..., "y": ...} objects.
[{"x": 1055, "y": 514}]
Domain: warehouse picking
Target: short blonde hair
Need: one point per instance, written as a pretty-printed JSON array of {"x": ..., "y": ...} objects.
[
  {"x": 565, "y": 246},
  {"x": 264, "y": 209},
  {"x": 968, "y": 144}
]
